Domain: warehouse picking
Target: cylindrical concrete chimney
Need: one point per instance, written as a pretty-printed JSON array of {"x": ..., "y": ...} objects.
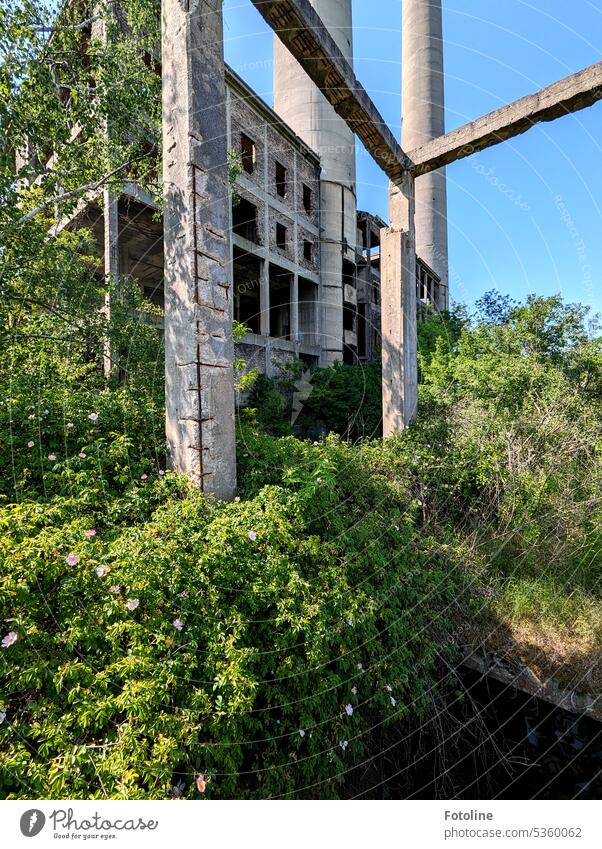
[
  {"x": 305, "y": 109},
  {"x": 423, "y": 118}
]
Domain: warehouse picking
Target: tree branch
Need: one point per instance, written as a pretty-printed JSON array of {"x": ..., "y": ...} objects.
[{"x": 87, "y": 187}]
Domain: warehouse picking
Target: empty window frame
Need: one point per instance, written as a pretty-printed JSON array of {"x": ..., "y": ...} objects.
[
  {"x": 248, "y": 153},
  {"x": 244, "y": 220},
  {"x": 281, "y": 237},
  {"x": 280, "y": 180},
  {"x": 308, "y": 250},
  {"x": 307, "y": 199}
]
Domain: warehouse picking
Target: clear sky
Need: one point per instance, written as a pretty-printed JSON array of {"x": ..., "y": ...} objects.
[{"x": 524, "y": 216}]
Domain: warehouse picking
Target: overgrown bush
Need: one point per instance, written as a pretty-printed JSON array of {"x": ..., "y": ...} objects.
[
  {"x": 255, "y": 643},
  {"x": 346, "y": 399}
]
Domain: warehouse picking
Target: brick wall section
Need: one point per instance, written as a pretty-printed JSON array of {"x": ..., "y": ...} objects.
[
  {"x": 277, "y": 217},
  {"x": 246, "y": 120},
  {"x": 303, "y": 236},
  {"x": 310, "y": 175}
]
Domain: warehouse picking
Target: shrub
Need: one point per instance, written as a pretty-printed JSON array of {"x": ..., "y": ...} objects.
[
  {"x": 289, "y": 599},
  {"x": 347, "y": 400}
]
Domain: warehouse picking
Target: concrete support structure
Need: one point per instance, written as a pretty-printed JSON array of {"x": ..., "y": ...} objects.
[
  {"x": 305, "y": 108},
  {"x": 423, "y": 119},
  {"x": 111, "y": 262},
  {"x": 398, "y": 310},
  {"x": 571, "y": 94},
  {"x": 198, "y": 291}
]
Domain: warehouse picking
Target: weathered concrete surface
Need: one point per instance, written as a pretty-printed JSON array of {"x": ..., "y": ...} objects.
[
  {"x": 198, "y": 292},
  {"x": 522, "y": 678},
  {"x": 111, "y": 263},
  {"x": 305, "y": 108},
  {"x": 398, "y": 311},
  {"x": 423, "y": 119},
  {"x": 570, "y": 94},
  {"x": 299, "y": 27}
]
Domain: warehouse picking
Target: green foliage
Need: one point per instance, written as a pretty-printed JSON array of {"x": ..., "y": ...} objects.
[
  {"x": 347, "y": 400},
  {"x": 235, "y": 169},
  {"x": 270, "y": 407},
  {"x": 313, "y": 584},
  {"x": 506, "y": 454}
]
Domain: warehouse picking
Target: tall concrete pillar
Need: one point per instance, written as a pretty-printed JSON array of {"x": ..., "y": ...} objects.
[
  {"x": 199, "y": 350},
  {"x": 422, "y": 91},
  {"x": 303, "y": 106},
  {"x": 398, "y": 310},
  {"x": 111, "y": 265}
]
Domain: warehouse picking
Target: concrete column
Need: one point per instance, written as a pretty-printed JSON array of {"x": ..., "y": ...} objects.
[
  {"x": 300, "y": 103},
  {"x": 295, "y": 308},
  {"x": 199, "y": 349},
  {"x": 398, "y": 311},
  {"x": 264, "y": 298},
  {"x": 264, "y": 283},
  {"x": 111, "y": 265},
  {"x": 423, "y": 118}
]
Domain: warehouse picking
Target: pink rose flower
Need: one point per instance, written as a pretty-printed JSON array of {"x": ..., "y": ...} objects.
[{"x": 10, "y": 639}]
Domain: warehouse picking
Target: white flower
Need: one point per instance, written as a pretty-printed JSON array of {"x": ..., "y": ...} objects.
[
  {"x": 133, "y": 603},
  {"x": 93, "y": 417},
  {"x": 101, "y": 571},
  {"x": 30, "y": 444},
  {"x": 32, "y": 416},
  {"x": 350, "y": 623},
  {"x": 354, "y": 691},
  {"x": 2, "y": 716},
  {"x": 343, "y": 744},
  {"x": 46, "y": 412},
  {"x": 389, "y": 688},
  {"x": 252, "y": 536},
  {"x": 70, "y": 424},
  {"x": 10, "y": 639},
  {"x": 178, "y": 624},
  {"x": 301, "y": 733},
  {"x": 349, "y": 710},
  {"x": 360, "y": 667},
  {"x": 393, "y": 701}
]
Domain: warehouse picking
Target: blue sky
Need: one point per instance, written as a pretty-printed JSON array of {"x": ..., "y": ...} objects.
[{"x": 525, "y": 216}]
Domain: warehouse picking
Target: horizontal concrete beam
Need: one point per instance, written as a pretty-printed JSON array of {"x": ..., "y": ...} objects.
[
  {"x": 562, "y": 98},
  {"x": 521, "y": 677},
  {"x": 302, "y": 31}
]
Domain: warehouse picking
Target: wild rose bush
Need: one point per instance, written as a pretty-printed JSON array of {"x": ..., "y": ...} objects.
[{"x": 169, "y": 647}]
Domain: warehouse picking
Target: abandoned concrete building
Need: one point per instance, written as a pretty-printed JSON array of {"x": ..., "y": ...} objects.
[
  {"x": 278, "y": 267},
  {"x": 304, "y": 262}
]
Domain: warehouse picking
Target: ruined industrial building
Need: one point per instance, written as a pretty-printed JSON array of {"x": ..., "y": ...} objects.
[{"x": 305, "y": 261}]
